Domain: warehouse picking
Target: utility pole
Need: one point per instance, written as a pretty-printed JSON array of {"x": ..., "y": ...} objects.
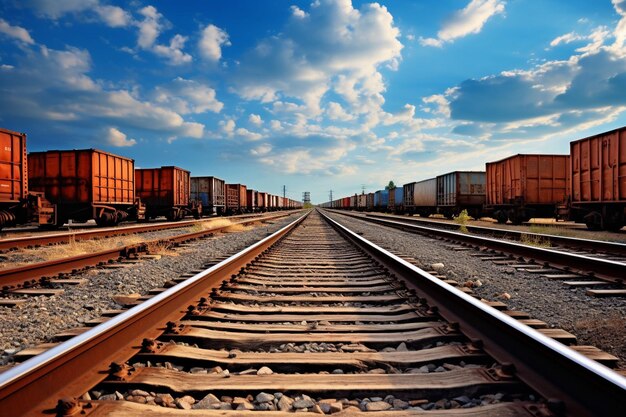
[
  {"x": 362, "y": 188},
  {"x": 306, "y": 197},
  {"x": 284, "y": 191},
  {"x": 331, "y": 195}
]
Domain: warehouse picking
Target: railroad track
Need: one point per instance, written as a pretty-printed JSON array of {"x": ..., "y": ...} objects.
[
  {"x": 44, "y": 238},
  {"x": 601, "y": 267},
  {"x": 39, "y": 278},
  {"x": 313, "y": 317}
]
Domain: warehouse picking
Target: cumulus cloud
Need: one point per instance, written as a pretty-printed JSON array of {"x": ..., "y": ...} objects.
[
  {"x": 150, "y": 28},
  {"x": 55, "y": 85},
  {"x": 211, "y": 42},
  {"x": 332, "y": 47},
  {"x": 467, "y": 21},
  {"x": 336, "y": 112},
  {"x": 188, "y": 97},
  {"x": 117, "y": 138},
  {"x": 15, "y": 32},
  {"x": 255, "y": 119},
  {"x": 174, "y": 51},
  {"x": 114, "y": 16}
]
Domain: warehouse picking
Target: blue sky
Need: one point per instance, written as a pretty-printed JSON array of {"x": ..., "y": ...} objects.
[{"x": 314, "y": 95}]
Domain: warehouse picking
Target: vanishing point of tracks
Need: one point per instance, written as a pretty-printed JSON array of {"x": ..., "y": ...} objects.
[{"x": 312, "y": 318}]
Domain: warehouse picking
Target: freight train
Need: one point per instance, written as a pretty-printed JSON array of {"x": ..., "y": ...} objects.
[
  {"x": 52, "y": 187},
  {"x": 588, "y": 185}
]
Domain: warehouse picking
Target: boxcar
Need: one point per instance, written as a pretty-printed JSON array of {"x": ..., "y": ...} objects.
[
  {"x": 251, "y": 202},
  {"x": 353, "y": 202},
  {"x": 210, "y": 192},
  {"x": 261, "y": 201},
  {"x": 166, "y": 191},
  {"x": 424, "y": 197},
  {"x": 381, "y": 200},
  {"x": 398, "y": 199},
  {"x": 369, "y": 205},
  {"x": 86, "y": 184},
  {"x": 17, "y": 204},
  {"x": 362, "y": 202},
  {"x": 522, "y": 186},
  {"x": 461, "y": 190},
  {"x": 598, "y": 180},
  {"x": 236, "y": 197}
]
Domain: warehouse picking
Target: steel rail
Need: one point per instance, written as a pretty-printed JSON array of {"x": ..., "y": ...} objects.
[
  {"x": 572, "y": 242},
  {"x": 66, "y": 237},
  {"x": 612, "y": 271},
  {"x": 25, "y": 276},
  {"x": 73, "y": 367},
  {"x": 573, "y": 384}
]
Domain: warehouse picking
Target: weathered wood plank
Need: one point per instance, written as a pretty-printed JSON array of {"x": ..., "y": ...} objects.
[
  {"x": 214, "y": 315},
  {"x": 309, "y": 289},
  {"x": 607, "y": 293},
  {"x": 311, "y": 326},
  {"x": 224, "y": 338},
  {"x": 308, "y": 299},
  {"x": 352, "y": 359},
  {"x": 311, "y": 310},
  {"x": 458, "y": 380},
  {"x": 311, "y": 282}
]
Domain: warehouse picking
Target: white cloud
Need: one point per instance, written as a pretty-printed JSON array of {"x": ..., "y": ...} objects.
[
  {"x": 255, "y": 119},
  {"x": 174, "y": 52},
  {"x": 262, "y": 149},
  {"x": 441, "y": 103},
  {"x": 114, "y": 16},
  {"x": 188, "y": 96},
  {"x": 567, "y": 38},
  {"x": 150, "y": 27},
  {"x": 54, "y": 9},
  {"x": 15, "y": 32},
  {"x": 228, "y": 126},
  {"x": 298, "y": 12},
  {"x": 211, "y": 42},
  {"x": 55, "y": 85},
  {"x": 336, "y": 112},
  {"x": 247, "y": 134},
  {"x": 117, "y": 138},
  {"x": 467, "y": 21},
  {"x": 276, "y": 125},
  {"x": 335, "y": 47}
]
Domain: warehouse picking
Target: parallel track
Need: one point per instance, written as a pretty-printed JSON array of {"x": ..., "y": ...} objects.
[
  {"x": 307, "y": 301},
  {"x": 588, "y": 264},
  {"x": 35, "y": 274}
]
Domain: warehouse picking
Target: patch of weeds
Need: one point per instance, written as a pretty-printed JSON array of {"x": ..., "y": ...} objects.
[{"x": 462, "y": 219}]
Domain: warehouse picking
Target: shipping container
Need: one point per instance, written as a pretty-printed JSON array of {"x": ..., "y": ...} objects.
[
  {"x": 236, "y": 198},
  {"x": 353, "y": 202},
  {"x": 399, "y": 199},
  {"x": 381, "y": 200},
  {"x": 17, "y": 205},
  {"x": 425, "y": 197},
  {"x": 166, "y": 191},
  {"x": 598, "y": 180},
  {"x": 210, "y": 192},
  {"x": 370, "y": 201},
  {"x": 522, "y": 186},
  {"x": 13, "y": 167},
  {"x": 362, "y": 202},
  {"x": 461, "y": 190},
  {"x": 251, "y": 203},
  {"x": 85, "y": 184}
]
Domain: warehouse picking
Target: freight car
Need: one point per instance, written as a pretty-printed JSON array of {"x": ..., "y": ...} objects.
[
  {"x": 523, "y": 186},
  {"x": 362, "y": 202},
  {"x": 421, "y": 197},
  {"x": 236, "y": 199},
  {"x": 251, "y": 202},
  {"x": 210, "y": 192},
  {"x": 262, "y": 200},
  {"x": 166, "y": 191},
  {"x": 598, "y": 180},
  {"x": 86, "y": 184},
  {"x": 17, "y": 204},
  {"x": 461, "y": 190}
]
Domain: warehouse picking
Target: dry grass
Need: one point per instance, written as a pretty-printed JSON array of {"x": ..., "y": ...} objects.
[
  {"x": 551, "y": 230},
  {"x": 535, "y": 240},
  {"x": 161, "y": 248},
  {"x": 462, "y": 219}
]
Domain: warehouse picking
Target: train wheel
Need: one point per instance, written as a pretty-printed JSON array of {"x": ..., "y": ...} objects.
[
  {"x": 593, "y": 221},
  {"x": 501, "y": 217}
]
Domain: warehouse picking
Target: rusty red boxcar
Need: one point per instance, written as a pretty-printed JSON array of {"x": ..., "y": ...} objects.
[
  {"x": 17, "y": 204},
  {"x": 85, "y": 184},
  {"x": 521, "y": 186},
  {"x": 598, "y": 180},
  {"x": 251, "y": 201},
  {"x": 262, "y": 201},
  {"x": 166, "y": 191},
  {"x": 236, "y": 198}
]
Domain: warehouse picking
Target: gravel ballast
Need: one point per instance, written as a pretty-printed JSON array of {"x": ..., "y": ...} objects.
[
  {"x": 41, "y": 317},
  {"x": 594, "y": 321}
]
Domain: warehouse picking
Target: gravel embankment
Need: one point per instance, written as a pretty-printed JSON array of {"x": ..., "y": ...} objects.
[
  {"x": 595, "y": 321},
  {"x": 35, "y": 321}
]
